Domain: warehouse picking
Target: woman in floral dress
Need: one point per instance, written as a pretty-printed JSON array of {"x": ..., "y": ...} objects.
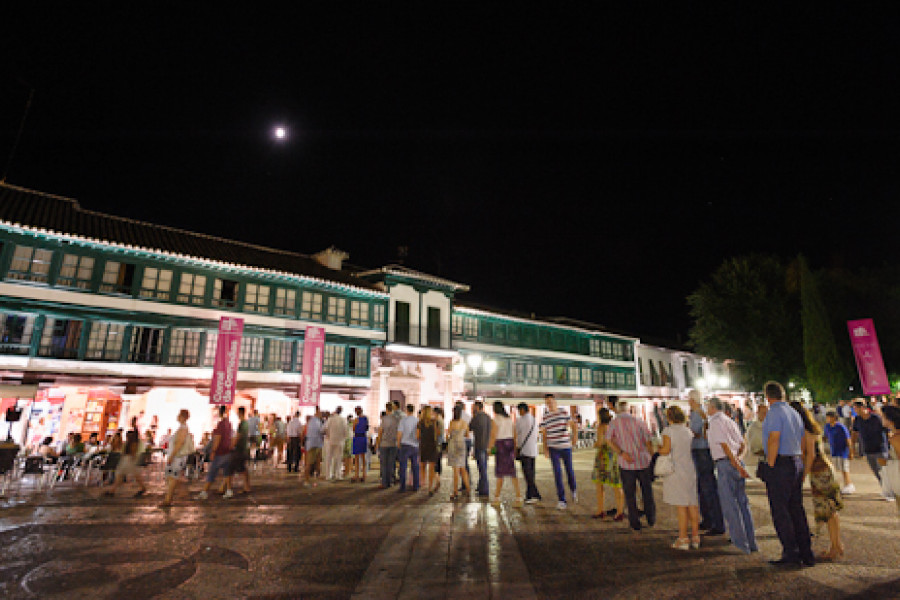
[
  {"x": 606, "y": 469},
  {"x": 826, "y": 492}
]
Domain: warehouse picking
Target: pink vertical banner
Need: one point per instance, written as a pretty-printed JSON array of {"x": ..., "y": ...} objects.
[
  {"x": 228, "y": 355},
  {"x": 311, "y": 370},
  {"x": 868, "y": 357}
]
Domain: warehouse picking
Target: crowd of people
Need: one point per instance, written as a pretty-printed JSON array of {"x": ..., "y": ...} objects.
[{"x": 703, "y": 456}]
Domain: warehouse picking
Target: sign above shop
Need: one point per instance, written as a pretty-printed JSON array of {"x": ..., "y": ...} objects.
[
  {"x": 313, "y": 351},
  {"x": 869, "y": 363},
  {"x": 228, "y": 355}
]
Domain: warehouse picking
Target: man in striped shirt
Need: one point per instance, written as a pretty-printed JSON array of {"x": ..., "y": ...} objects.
[
  {"x": 559, "y": 431},
  {"x": 630, "y": 439}
]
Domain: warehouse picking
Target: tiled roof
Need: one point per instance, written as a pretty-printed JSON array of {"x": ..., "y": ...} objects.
[
  {"x": 561, "y": 322},
  {"x": 56, "y": 214},
  {"x": 401, "y": 271}
]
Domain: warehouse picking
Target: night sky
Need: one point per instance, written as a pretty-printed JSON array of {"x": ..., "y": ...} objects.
[{"x": 594, "y": 165}]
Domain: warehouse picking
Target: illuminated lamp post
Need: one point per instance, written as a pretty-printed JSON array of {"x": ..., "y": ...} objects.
[{"x": 478, "y": 368}]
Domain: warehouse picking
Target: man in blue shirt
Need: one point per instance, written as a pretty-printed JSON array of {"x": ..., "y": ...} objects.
[
  {"x": 707, "y": 487},
  {"x": 782, "y": 473},
  {"x": 839, "y": 441},
  {"x": 409, "y": 447}
]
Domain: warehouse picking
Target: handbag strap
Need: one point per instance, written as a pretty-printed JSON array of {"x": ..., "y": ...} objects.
[{"x": 528, "y": 437}]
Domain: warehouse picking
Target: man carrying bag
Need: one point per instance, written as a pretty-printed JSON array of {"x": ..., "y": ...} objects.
[{"x": 527, "y": 451}]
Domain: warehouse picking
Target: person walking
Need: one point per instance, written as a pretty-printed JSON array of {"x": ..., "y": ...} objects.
[
  {"x": 869, "y": 431},
  {"x": 129, "y": 465},
  {"x": 606, "y": 469},
  {"x": 826, "y": 492},
  {"x": 315, "y": 440},
  {"x": 293, "y": 430},
  {"x": 782, "y": 472},
  {"x": 890, "y": 473},
  {"x": 480, "y": 426},
  {"x": 336, "y": 432},
  {"x": 253, "y": 430},
  {"x": 241, "y": 451},
  {"x": 503, "y": 439},
  {"x": 181, "y": 445},
  {"x": 560, "y": 433},
  {"x": 707, "y": 488},
  {"x": 630, "y": 439},
  {"x": 726, "y": 444},
  {"x": 680, "y": 487},
  {"x": 526, "y": 443},
  {"x": 427, "y": 434},
  {"x": 220, "y": 455},
  {"x": 456, "y": 452},
  {"x": 387, "y": 445},
  {"x": 407, "y": 440},
  {"x": 360, "y": 445},
  {"x": 839, "y": 443},
  {"x": 279, "y": 434}
]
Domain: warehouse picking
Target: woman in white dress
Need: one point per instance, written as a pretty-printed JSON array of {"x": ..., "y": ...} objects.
[{"x": 680, "y": 488}]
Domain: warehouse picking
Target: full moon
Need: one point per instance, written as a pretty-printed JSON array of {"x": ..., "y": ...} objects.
[{"x": 280, "y": 133}]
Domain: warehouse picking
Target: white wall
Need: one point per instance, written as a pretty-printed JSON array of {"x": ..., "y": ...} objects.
[
  {"x": 436, "y": 300},
  {"x": 404, "y": 293}
]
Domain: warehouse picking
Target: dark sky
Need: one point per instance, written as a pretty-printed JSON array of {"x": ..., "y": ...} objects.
[{"x": 595, "y": 165}]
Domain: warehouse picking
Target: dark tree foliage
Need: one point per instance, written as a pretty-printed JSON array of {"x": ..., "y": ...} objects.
[
  {"x": 827, "y": 376},
  {"x": 749, "y": 310}
]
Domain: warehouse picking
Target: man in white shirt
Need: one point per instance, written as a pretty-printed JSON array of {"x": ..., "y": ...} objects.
[
  {"x": 526, "y": 435},
  {"x": 336, "y": 432},
  {"x": 726, "y": 445}
]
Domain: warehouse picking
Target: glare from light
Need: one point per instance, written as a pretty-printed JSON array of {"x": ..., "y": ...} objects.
[
  {"x": 490, "y": 367},
  {"x": 460, "y": 369},
  {"x": 701, "y": 383},
  {"x": 791, "y": 384},
  {"x": 474, "y": 361},
  {"x": 280, "y": 133},
  {"x": 724, "y": 382}
]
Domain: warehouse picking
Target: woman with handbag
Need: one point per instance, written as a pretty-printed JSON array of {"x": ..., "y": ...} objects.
[
  {"x": 606, "y": 470},
  {"x": 503, "y": 438},
  {"x": 676, "y": 467}
]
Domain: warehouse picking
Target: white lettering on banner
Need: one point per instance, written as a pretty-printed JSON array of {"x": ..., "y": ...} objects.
[{"x": 227, "y": 361}]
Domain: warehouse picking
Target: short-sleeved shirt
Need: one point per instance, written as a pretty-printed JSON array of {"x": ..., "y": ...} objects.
[
  {"x": 226, "y": 435},
  {"x": 556, "y": 426},
  {"x": 785, "y": 420},
  {"x": 630, "y": 435},
  {"x": 315, "y": 436},
  {"x": 389, "y": 426},
  {"x": 696, "y": 426},
  {"x": 722, "y": 430},
  {"x": 527, "y": 435},
  {"x": 253, "y": 424},
  {"x": 407, "y": 430},
  {"x": 871, "y": 432},
  {"x": 294, "y": 427},
  {"x": 480, "y": 426},
  {"x": 837, "y": 435},
  {"x": 280, "y": 429},
  {"x": 242, "y": 441}
]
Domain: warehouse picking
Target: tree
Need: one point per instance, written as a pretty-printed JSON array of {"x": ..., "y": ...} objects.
[
  {"x": 826, "y": 374},
  {"x": 749, "y": 311}
]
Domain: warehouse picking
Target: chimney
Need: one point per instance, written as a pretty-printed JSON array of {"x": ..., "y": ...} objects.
[{"x": 331, "y": 258}]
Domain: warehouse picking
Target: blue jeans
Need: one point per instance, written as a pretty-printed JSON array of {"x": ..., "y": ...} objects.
[
  {"x": 481, "y": 460},
  {"x": 564, "y": 455},
  {"x": 387, "y": 457},
  {"x": 707, "y": 489},
  {"x": 735, "y": 506},
  {"x": 409, "y": 453}
]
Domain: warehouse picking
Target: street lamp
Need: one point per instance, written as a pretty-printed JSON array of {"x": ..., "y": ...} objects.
[{"x": 478, "y": 367}]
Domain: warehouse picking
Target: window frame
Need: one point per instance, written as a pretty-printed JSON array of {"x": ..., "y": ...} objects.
[{"x": 36, "y": 256}]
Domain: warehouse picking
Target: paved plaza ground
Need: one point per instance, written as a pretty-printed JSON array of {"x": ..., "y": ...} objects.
[{"x": 343, "y": 540}]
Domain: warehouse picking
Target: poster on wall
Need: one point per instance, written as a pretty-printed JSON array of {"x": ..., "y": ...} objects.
[
  {"x": 869, "y": 363},
  {"x": 313, "y": 351},
  {"x": 228, "y": 355}
]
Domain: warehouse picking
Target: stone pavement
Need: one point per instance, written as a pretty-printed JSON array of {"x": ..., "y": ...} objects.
[{"x": 342, "y": 540}]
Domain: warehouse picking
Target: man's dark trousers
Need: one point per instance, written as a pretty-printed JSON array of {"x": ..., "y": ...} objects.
[
  {"x": 528, "y": 470},
  {"x": 784, "y": 486},
  {"x": 293, "y": 453},
  {"x": 630, "y": 478},
  {"x": 708, "y": 489}
]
